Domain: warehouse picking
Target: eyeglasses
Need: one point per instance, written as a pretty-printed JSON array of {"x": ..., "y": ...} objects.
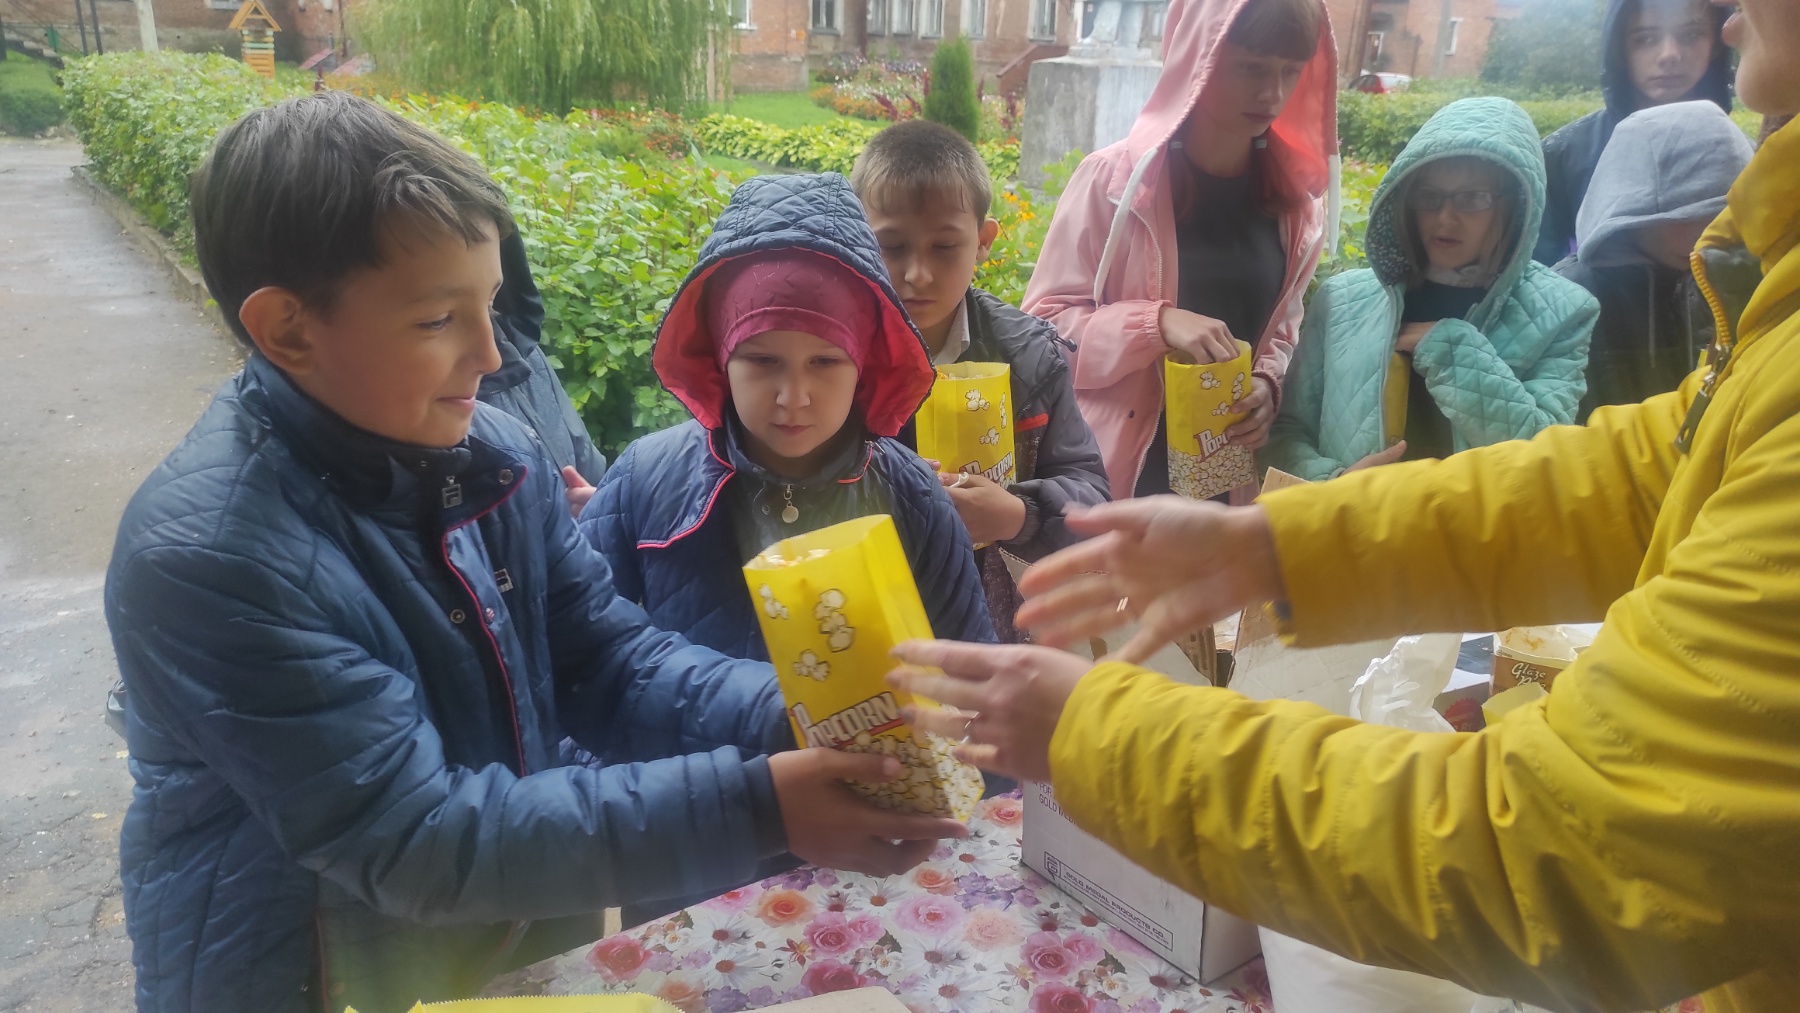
[{"x": 1428, "y": 199}]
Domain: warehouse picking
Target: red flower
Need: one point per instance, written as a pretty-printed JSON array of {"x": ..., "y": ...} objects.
[
  {"x": 1046, "y": 954},
  {"x": 618, "y": 959},
  {"x": 1060, "y": 999},
  {"x": 831, "y": 976}
]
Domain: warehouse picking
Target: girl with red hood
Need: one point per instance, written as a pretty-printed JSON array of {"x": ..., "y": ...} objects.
[
  {"x": 1204, "y": 225},
  {"x": 791, "y": 350}
]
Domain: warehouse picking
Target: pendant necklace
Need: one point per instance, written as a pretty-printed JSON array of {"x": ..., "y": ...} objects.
[{"x": 789, "y": 513}]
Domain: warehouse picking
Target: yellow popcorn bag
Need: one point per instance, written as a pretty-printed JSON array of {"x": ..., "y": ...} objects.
[
  {"x": 1199, "y": 402},
  {"x": 967, "y": 422},
  {"x": 832, "y": 603},
  {"x": 1395, "y": 391}
]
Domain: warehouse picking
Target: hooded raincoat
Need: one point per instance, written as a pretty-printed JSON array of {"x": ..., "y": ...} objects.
[
  {"x": 1669, "y": 164},
  {"x": 1571, "y": 153},
  {"x": 676, "y": 508},
  {"x": 1108, "y": 266},
  {"x": 1627, "y": 841},
  {"x": 1512, "y": 367}
]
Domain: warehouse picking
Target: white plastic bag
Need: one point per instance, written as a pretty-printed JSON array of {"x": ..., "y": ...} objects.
[{"x": 1396, "y": 690}]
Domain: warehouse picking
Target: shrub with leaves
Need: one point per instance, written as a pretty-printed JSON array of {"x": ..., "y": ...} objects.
[
  {"x": 952, "y": 100},
  {"x": 30, "y": 101},
  {"x": 1375, "y": 127}
]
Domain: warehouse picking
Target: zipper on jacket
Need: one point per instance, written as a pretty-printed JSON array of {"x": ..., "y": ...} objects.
[{"x": 1724, "y": 341}]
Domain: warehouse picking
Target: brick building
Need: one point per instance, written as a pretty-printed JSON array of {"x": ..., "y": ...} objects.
[
  {"x": 779, "y": 42},
  {"x": 1419, "y": 38}
]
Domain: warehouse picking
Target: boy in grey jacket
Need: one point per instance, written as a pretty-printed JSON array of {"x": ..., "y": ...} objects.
[
  {"x": 927, "y": 192},
  {"x": 1660, "y": 182}
]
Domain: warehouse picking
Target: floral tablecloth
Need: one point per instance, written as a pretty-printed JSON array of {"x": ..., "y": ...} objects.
[{"x": 969, "y": 931}]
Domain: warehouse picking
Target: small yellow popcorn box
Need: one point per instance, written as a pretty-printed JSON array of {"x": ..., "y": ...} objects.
[
  {"x": 832, "y": 603},
  {"x": 1200, "y": 402},
  {"x": 967, "y": 422}
]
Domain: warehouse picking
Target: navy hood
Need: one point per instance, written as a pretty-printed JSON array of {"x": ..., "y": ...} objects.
[{"x": 1615, "y": 75}]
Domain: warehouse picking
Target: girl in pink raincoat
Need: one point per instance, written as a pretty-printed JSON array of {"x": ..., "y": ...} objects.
[{"x": 1202, "y": 226}]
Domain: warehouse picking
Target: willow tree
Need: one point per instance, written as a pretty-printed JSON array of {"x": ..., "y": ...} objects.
[{"x": 550, "y": 54}]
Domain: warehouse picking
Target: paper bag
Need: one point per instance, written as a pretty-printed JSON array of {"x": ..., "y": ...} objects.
[
  {"x": 832, "y": 603},
  {"x": 967, "y": 422},
  {"x": 1200, "y": 402}
]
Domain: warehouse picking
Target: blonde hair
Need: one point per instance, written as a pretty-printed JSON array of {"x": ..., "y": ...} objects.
[{"x": 1502, "y": 233}]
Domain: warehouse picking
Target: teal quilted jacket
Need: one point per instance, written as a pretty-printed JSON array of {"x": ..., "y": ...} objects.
[{"x": 1514, "y": 366}]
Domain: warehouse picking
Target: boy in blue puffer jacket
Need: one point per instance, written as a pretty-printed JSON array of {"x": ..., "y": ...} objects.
[
  {"x": 791, "y": 350},
  {"x": 355, "y": 620}
]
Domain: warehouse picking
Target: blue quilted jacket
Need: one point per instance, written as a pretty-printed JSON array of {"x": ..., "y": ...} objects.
[
  {"x": 1515, "y": 365},
  {"x": 663, "y": 514},
  {"x": 350, "y": 665}
]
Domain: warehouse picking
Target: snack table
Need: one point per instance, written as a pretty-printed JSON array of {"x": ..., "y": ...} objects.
[{"x": 969, "y": 931}]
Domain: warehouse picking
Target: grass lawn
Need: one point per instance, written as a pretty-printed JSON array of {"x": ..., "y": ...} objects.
[
  {"x": 788, "y": 109},
  {"x": 30, "y": 99}
]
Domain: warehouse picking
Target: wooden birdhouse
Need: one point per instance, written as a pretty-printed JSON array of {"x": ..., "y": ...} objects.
[{"x": 258, "y": 30}]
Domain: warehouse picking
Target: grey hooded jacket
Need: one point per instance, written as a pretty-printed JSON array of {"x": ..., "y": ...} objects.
[{"x": 1668, "y": 164}]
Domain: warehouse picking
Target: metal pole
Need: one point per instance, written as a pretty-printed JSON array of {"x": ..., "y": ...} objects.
[
  {"x": 94, "y": 14},
  {"x": 81, "y": 26}
]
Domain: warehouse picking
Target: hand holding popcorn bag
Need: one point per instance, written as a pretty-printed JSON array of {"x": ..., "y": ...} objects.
[
  {"x": 1199, "y": 402},
  {"x": 832, "y": 603},
  {"x": 966, "y": 424}
]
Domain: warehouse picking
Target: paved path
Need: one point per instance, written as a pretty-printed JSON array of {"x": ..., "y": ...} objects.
[{"x": 103, "y": 367}]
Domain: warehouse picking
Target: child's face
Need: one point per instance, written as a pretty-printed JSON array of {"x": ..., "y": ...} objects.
[
  {"x": 1452, "y": 237},
  {"x": 792, "y": 391},
  {"x": 1668, "y": 46},
  {"x": 931, "y": 251},
  {"x": 402, "y": 349}
]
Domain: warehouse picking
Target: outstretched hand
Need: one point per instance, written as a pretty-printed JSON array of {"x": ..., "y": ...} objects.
[
  {"x": 1173, "y": 565},
  {"x": 1001, "y": 702},
  {"x": 830, "y": 825}
]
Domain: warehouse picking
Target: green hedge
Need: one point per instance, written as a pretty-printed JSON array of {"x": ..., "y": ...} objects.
[
  {"x": 1373, "y": 128},
  {"x": 30, "y": 102},
  {"x": 825, "y": 147}
]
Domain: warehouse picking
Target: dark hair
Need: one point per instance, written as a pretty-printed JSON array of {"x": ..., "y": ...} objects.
[
  {"x": 1285, "y": 28},
  {"x": 299, "y": 195},
  {"x": 909, "y": 160}
]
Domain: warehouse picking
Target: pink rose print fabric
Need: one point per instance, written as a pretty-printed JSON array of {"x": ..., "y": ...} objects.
[{"x": 970, "y": 931}]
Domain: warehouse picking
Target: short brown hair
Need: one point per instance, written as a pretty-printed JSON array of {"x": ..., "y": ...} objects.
[
  {"x": 909, "y": 161},
  {"x": 299, "y": 195},
  {"x": 1285, "y": 28}
]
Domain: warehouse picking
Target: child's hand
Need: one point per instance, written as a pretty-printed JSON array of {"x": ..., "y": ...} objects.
[
  {"x": 1252, "y": 431},
  {"x": 1196, "y": 338},
  {"x": 1379, "y": 458},
  {"x": 1411, "y": 334},
  {"x": 832, "y": 826},
  {"x": 988, "y": 509},
  {"x": 576, "y": 491}
]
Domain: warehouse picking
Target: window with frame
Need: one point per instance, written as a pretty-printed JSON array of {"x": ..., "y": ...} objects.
[
  {"x": 825, "y": 15},
  {"x": 1043, "y": 20},
  {"x": 1156, "y": 21},
  {"x": 878, "y": 17},
  {"x": 905, "y": 14},
  {"x": 1455, "y": 30},
  {"x": 931, "y": 19},
  {"x": 974, "y": 18},
  {"x": 1373, "y": 48},
  {"x": 740, "y": 14}
]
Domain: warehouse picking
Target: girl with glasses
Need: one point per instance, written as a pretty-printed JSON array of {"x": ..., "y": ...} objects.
[{"x": 1452, "y": 337}]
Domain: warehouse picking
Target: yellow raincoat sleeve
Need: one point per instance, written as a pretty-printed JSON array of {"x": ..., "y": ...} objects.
[
  {"x": 1549, "y": 530},
  {"x": 1627, "y": 842}
]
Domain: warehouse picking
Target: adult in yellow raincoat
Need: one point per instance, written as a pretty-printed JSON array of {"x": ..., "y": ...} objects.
[{"x": 1632, "y": 839}]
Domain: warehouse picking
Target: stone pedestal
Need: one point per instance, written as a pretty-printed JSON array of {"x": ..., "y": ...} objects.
[
  {"x": 1089, "y": 98},
  {"x": 1076, "y": 104}
]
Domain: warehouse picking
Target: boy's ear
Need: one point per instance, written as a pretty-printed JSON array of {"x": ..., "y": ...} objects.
[
  {"x": 990, "y": 231},
  {"x": 273, "y": 316}
]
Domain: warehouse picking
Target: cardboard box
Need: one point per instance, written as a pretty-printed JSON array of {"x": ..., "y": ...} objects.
[{"x": 1196, "y": 937}]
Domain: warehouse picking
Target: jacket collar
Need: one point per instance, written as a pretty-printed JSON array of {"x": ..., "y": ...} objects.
[{"x": 374, "y": 473}]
